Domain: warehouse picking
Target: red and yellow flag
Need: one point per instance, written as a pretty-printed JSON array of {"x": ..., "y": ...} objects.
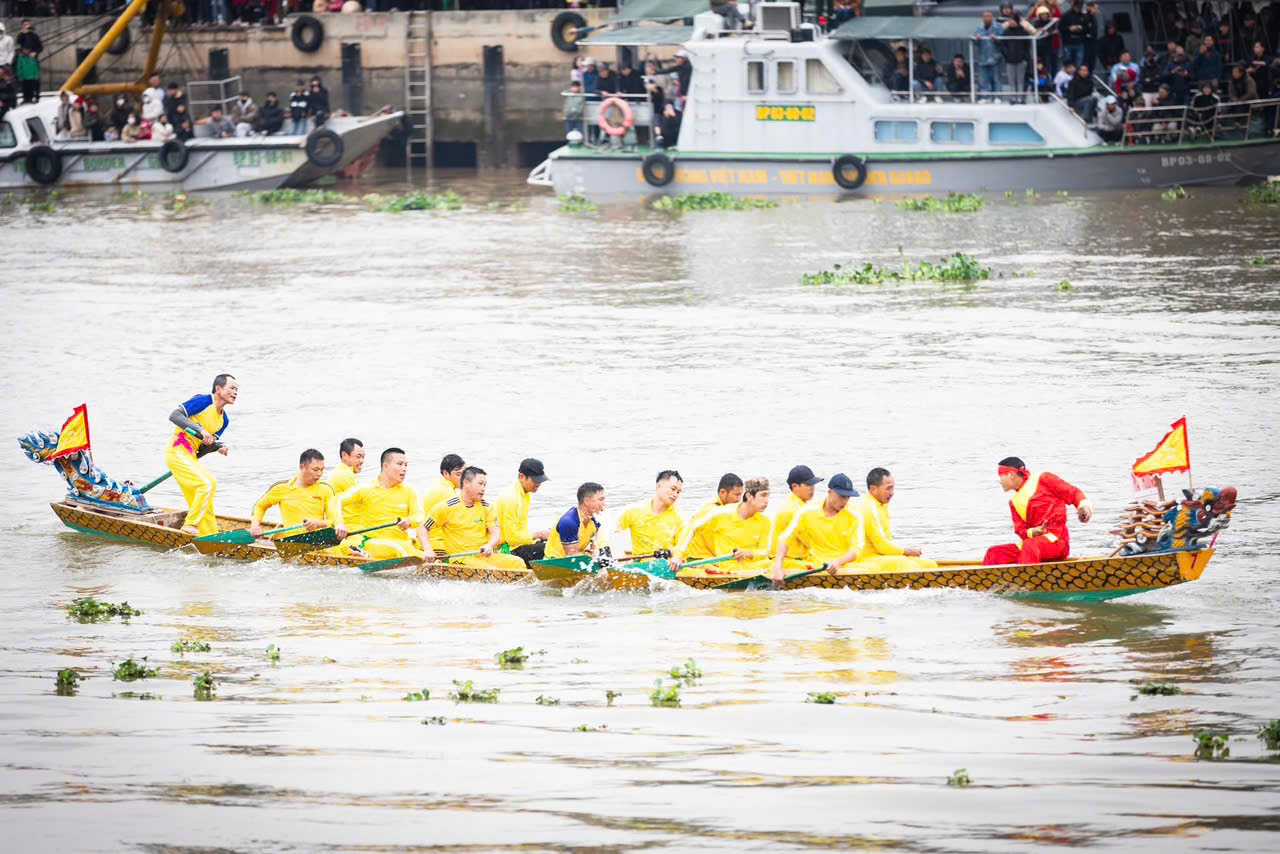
[
  {"x": 1171, "y": 454},
  {"x": 75, "y": 434}
]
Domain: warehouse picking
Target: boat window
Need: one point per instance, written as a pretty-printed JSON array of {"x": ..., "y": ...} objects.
[
  {"x": 954, "y": 133},
  {"x": 755, "y": 77},
  {"x": 818, "y": 79},
  {"x": 786, "y": 77},
  {"x": 35, "y": 127},
  {"x": 7, "y": 137},
  {"x": 887, "y": 131},
  {"x": 1013, "y": 132}
]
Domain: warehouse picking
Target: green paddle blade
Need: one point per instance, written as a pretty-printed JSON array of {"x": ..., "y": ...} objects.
[
  {"x": 577, "y": 563},
  {"x": 390, "y": 563},
  {"x": 764, "y": 581},
  {"x": 319, "y": 537},
  {"x": 239, "y": 538},
  {"x": 658, "y": 568}
]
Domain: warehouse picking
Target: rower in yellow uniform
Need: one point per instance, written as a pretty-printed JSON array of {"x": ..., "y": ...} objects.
[
  {"x": 739, "y": 529},
  {"x": 513, "y": 513},
  {"x": 468, "y": 523},
  {"x": 801, "y": 481},
  {"x": 577, "y": 532},
  {"x": 656, "y": 524},
  {"x": 827, "y": 533},
  {"x": 446, "y": 487},
  {"x": 203, "y": 415},
  {"x": 728, "y": 492},
  {"x": 346, "y": 476},
  {"x": 303, "y": 499},
  {"x": 879, "y": 552},
  {"x": 385, "y": 500}
]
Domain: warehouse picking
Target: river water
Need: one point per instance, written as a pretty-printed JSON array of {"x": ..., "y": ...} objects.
[{"x": 611, "y": 345}]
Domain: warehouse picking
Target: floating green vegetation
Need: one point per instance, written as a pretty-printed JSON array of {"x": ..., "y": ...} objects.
[
  {"x": 204, "y": 686},
  {"x": 467, "y": 693},
  {"x": 1008, "y": 194},
  {"x": 1211, "y": 745},
  {"x": 1264, "y": 194},
  {"x": 182, "y": 647},
  {"x": 434, "y": 721},
  {"x": 578, "y": 661},
  {"x": 573, "y": 203},
  {"x": 825, "y": 697},
  {"x": 710, "y": 202},
  {"x": 1260, "y": 261},
  {"x": 688, "y": 672},
  {"x": 1159, "y": 688},
  {"x": 586, "y": 728},
  {"x": 1062, "y": 194},
  {"x": 67, "y": 681},
  {"x": 1065, "y": 285},
  {"x": 957, "y": 268},
  {"x": 959, "y": 777},
  {"x": 129, "y": 670},
  {"x": 547, "y": 701},
  {"x": 953, "y": 203},
  {"x": 89, "y": 609},
  {"x": 328, "y": 660},
  {"x": 665, "y": 695},
  {"x": 1175, "y": 193},
  {"x": 47, "y": 203},
  {"x": 1031, "y": 194},
  {"x": 610, "y": 696},
  {"x": 512, "y": 207},
  {"x": 1270, "y": 733},
  {"x": 273, "y": 653},
  {"x": 181, "y": 201},
  {"x": 415, "y": 201},
  {"x": 417, "y": 696},
  {"x": 512, "y": 657},
  {"x": 289, "y": 197}
]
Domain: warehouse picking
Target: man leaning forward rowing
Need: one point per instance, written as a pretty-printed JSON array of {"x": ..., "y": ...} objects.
[
  {"x": 577, "y": 531},
  {"x": 387, "y": 500},
  {"x": 740, "y": 529},
  {"x": 828, "y": 533},
  {"x": 468, "y": 523},
  {"x": 303, "y": 499}
]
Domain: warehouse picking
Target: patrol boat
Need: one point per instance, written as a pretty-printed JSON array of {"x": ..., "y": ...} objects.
[
  {"x": 788, "y": 108},
  {"x": 32, "y": 154}
]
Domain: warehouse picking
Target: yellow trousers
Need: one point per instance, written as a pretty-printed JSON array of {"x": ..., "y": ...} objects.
[
  {"x": 384, "y": 548},
  {"x": 497, "y": 560},
  {"x": 890, "y": 563},
  {"x": 198, "y": 487}
]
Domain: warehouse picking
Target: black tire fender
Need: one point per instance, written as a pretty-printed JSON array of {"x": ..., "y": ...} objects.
[
  {"x": 174, "y": 155},
  {"x": 44, "y": 164},
  {"x": 564, "y": 29},
  {"x": 324, "y": 148},
  {"x": 839, "y": 171},
  {"x": 307, "y": 33},
  {"x": 121, "y": 44},
  {"x": 658, "y": 169}
]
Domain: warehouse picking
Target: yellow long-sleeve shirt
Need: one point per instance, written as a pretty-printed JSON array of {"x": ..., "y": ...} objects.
[
  {"x": 724, "y": 531},
  {"x": 462, "y": 528},
  {"x": 823, "y": 538},
  {"x": 650, "y": 531},
  {"x": 376, "y": 505},
  {"x": 298, "y": 504},
  {"x": 343, "y": 479},
  {"x": 877, "y": 533},
  {"x": 782, "y": 521},
  {"x": 698, "y": 545},
  {"x": 513, "y": 516},
  {"x": 442, "y": 490}
]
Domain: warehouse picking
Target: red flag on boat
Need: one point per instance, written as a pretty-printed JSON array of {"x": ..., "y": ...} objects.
[
  {"x": 75, "y": 434},
  {"x": 1171, "y": 454}
]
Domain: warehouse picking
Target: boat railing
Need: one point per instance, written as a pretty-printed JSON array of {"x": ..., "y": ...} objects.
[
  {"x": 1221, "y": 122},
  {"x": 211, "y": 93},
  {"x": 641, "y": 113}
]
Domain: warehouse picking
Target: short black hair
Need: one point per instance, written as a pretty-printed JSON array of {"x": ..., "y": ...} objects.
[
  {"x": 273, "y": 95},
  {"x": 1013, "y": 463},
  {"x": 349, "y": 445},
  {"x": 729, "y": 481},
  {"x": 220, "y": 380},
  {"x": 382, "y": 461},
  {"x": 588, "y": 489},
  {"x": 876, "y": 476},
  {"x": 451, "y": 462},
  {"x": 470, "y": 473},
  {"x": 666, "y": 473},
  {"x": 310, "y": 455}
]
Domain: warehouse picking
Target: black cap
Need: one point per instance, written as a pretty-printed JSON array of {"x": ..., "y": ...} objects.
[
  {"x": 533, "y": 470},
  {"x": 802, "y": 474},
  {"x": 841, "y": 485}
]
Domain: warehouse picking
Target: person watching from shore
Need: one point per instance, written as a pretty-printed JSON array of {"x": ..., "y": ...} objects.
[
  {"x": 318, "y": 102},
  {"x": 828, "y": 533},
  {"x": 244, "y": 114},
  {"x": 153, "y": 100},
  {"x": 927, "y": 73},
  {"x": 346, "y": 476},
  {"x": 801, "y": 481},
  {"x": 577, "y": 531},
  {"x": 1207, "y": 66},
  {"x": 1110, "y": 46},
  {"x": 175, "y": 104},
  {"x": 670, "y": 133},
  {"x": 1240, "y": 87},
  {"x": 737, "y": 528},
  {"x": 184, "y": 131},
  {"x": 1111, "y": 121},
  {"x": 27, "y": 68},
  {"x": 93, "y": 123},
  {"x": 298, "y": 103},
  {"x": 1063, "y": 78},
  {"x": 629, "y": 81},
  {"x": 574, "y": 107},
  {"x": 304, "y": 499},
  {"x": 451, "y": 466},
  {"x": 8, "y": 48},
  {"x": 161, "y": 130},
  {"x": 271, "y": 116},
  {"x": 204, "y": 416},
  {"x": 1124, "y": 72},
  {"x": 1039, "y": 510},
  {"x": 131, "y": 132},
  {"x": 656, "y": 525},
  {"x": 1080, "y": 95},
  {"x": 512, "y": 508},
  {"x": 1015, "y": 47},
  {"x": 879, "y": 552},
  {"x": 606, "y": 81},
  {"x": 468, "y": 523},
  {"x": 729, "y": 491},
  {"x": 219, "y": 126},
  {"x": 958, "y": 78},
  {"x": 388, "y": 499}
]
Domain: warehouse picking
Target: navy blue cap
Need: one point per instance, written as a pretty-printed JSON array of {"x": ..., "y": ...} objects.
[
  {"x": 533, "y": 469},
  {"x": 802, "y": 474},
  {"x": 841, "y": 485}
]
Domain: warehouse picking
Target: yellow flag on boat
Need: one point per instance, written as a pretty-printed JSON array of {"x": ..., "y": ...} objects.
[
  {"x": 75, "y": 434},
  {"x": 1171, "y": 454}
]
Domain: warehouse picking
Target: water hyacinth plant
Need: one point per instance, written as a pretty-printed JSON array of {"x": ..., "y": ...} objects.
[
  {"x": 129, "y": 670},
  {"x": 1211, "y": 745},
  {"x": 288, "y": 197},
  {"x": 273, "y": 653},
  {"x": 959, "y": 777},
  {"x": 668, "y": 695},
  {"x": 89, "y": 609},
  {"x": 710, "y": 202},
  {"x": 1270, "y": 734},
  {"x": 547, "y": 701},
  {"x": 953, "y": 203},
  {"x": 467, "y": 693},
  {"x": 686, "y": 673},
  {"x": 1175, "y": 193},
  {"x": 610, "y": 696},
  {"x": 959, "y": 267},
  {"x": 512, "y": 657},
  {"x": 416, "y": 201},
  {"x": 67, "y": 681},
  {"x": 204, "y": 686},
  {"x": 823, "y": 697},
  {"x": 1264, "y": 194},
  {"x": 1159, "y": 688},
  {"x": 417, "y": 696},
  {"x": 573, "y": 203},
  {"x": 182, "y": 647}
]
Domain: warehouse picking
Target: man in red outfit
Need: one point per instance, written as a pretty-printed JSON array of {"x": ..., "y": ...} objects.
[{"x": 1039, "y": 508}]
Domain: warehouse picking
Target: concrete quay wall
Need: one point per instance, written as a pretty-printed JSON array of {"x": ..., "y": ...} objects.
[{"x": 534, "y": 71}]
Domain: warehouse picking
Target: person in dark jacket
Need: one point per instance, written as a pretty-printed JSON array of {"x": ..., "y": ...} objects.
[
  {"x": 684, "y": 74},
  {"x": 28, "y": 40},
  {"x": 1080, "y": 95},
  {"x": 927, "y": 73},
  {"x": 1015, "y": 47},
  {"x": 8, "y": 91},
  {"x": 270, "y": 115},
  {"x": 93, "y": 123},
  {"x": 172, "y": 98},
  {"x": 184, "y": 131},
  {"x": 1207, "y": 67},
  {"x": 119, "y": 113},
  {"x": 1150, "y": 76},
  {"x": 1110, "y": 46},
  {"x": 1074, "y": 28},
  {"x": 606, "y": 82},
  {"x": 1202, "y": 110},
  {"x": 318, "y": 101},
  {"x": 670, "y": 134},
  {"x": 1091, "y": 43},
  {"x": 629, "y": 82},
  {"x": 1176, "y": 74},
  {"x": 958, "y": 82},
  {"x": 298, "y": 103}
]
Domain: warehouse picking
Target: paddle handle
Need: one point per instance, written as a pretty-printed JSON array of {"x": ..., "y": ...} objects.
[
  {"x": 706, "y": 560},
  {"x": 374, "y": 528},
  {"x": 459, "y": 554},
  {"x": 275, "y": 532},
  {"x": 162, "y": 478}
]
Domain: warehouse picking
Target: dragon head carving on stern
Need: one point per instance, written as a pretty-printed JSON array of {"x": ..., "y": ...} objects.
[{"x": 85, "y": 482}]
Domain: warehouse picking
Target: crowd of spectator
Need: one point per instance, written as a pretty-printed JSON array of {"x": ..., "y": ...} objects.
[{"x": 664, "y": 89}]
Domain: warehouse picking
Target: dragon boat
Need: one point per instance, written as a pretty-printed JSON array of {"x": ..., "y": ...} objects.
[{"x": 1161, "y": 545}]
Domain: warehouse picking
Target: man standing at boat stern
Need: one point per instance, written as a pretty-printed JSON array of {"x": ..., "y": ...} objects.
[
  {"x": 198, "y": 424},
  {"x": 513, "y": 513},
  {"x": 1039, "y": 509}
]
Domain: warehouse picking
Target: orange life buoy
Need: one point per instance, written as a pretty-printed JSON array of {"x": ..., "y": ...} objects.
[{"x": 627, "y": 118}]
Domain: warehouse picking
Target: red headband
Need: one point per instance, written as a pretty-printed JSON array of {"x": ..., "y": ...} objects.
[{"x": 1011, "y": 470}]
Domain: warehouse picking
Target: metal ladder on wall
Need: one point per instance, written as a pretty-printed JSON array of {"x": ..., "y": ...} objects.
[{"x": 417, "y": 89}]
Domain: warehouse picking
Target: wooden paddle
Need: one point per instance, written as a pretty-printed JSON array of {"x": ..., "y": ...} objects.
[
  {"x": 242, "y": 537},
  {"x": 764, "y": 579},
  {"x": 321, "y": 538}
]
